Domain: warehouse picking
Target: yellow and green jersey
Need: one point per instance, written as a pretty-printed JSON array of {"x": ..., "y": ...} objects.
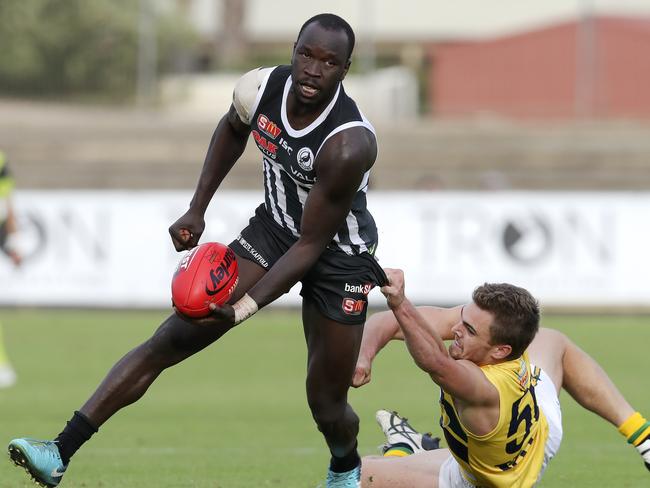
[{"x": 511, "y": 455}]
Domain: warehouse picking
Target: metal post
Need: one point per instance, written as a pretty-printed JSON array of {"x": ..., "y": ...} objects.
[
  {"x": 147, "y": 55},
  {"x": 367, "y": 51}
]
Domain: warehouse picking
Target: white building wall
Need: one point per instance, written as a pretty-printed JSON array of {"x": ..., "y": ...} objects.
[{"x": 411, "y": 19}]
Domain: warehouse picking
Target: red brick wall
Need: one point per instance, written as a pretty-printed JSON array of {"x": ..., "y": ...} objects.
[
  {"x": 623, "y": 81},
  {"x": 536, "y": 74}
]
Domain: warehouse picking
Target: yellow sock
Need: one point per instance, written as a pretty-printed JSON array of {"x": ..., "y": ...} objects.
[
  {"x": 635, "y": 429},
  {"x": 398, "y": 451}
]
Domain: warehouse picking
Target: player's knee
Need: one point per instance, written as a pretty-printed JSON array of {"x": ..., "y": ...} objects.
[
  {"x": 166, "y": 348},
  {"x": 328, "y": 412},
  {"x": 153, "y": 353},
  {"x": 175, "y": 340},
  {"x": 325, "y": 411}
]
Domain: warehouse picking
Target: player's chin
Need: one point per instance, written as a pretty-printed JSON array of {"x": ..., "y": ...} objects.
[
  {"x": 455, "y": 351},
  {"x": 306, "y": 99}
]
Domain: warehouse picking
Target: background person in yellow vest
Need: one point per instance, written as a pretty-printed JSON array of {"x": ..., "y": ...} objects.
[
  {"x": 500, "y": 411},
  {"x": 8, "y": 248}
]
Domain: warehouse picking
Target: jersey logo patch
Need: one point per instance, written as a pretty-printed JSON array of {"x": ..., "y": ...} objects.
[
  {"x": 523, "y": 375},
  {"x": 305, "y": 159},
  {"x": 267, "y": 126},
  {"x": 265, "y": 146}
]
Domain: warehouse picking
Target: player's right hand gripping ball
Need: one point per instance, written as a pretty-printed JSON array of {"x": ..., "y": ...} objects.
[{"x": 206, "y": 274}]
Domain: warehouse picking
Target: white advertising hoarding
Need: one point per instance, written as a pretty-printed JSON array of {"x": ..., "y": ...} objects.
[{"x": 111, "y": 248}]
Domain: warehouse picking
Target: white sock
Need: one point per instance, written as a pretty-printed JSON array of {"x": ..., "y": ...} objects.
[{"x": 644, "y": 450}]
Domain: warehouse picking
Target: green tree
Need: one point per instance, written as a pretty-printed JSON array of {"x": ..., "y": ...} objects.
[{"x": 79, "y": 48}]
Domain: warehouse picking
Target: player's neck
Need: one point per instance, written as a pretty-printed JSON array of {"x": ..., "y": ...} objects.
[{"x": 300, "y": 115}]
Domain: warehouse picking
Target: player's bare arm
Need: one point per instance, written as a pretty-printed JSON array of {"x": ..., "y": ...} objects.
[
  {"x": 340, "y": 167},
  {"x": 383, "y": 327},
  {"x": 226, "y": 147},
  {"x": 477, "y": 399},
  {"x": 351, "y": 153}
]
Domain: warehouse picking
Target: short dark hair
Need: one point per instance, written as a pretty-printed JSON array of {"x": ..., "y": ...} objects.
[
  {"x": 516, "y": 315},
  {"x": 332, "y": 22}
]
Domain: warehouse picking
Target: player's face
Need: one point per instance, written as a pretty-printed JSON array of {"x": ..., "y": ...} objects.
[
  {"x": 472, "y": 335},
  {"x": 319, "y": 62}
]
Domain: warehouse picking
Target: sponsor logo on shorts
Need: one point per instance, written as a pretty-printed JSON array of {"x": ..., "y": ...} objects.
[
  {"x": 267, "y": 126},
  {"x": 351, "y": 306},
  {"x": 363, "y": 289},
  {"x": 253, "y": 252}
]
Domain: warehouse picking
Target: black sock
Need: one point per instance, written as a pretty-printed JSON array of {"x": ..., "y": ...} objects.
[
  {"x": 77, "y": 431},
  {"x": 346, "y": 463}
]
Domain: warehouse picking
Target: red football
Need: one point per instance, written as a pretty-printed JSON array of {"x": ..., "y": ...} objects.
[{"x": 206, "y": 274}]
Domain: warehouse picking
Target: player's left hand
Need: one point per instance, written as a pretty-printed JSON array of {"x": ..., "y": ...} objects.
[
  {"x": 362, "y": 372},
  {"x": 220, "y": 316}
]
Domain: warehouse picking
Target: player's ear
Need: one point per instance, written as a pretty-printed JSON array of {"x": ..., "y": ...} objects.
[
  {"x": 346, "y": 67},
  {"x": 501, "y": 351}
]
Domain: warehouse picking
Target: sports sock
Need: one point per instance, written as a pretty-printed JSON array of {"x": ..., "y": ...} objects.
[
  {"x": 635, "y": 429},
  {"x": 346, "y": 463},
  {"x": 644, "y": 450},
  {"x": 399, "y": 449},
  {"x": 76, "y": 432}
]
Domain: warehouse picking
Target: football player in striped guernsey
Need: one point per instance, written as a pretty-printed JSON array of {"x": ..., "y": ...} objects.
[{"x": 317, "y": 149}]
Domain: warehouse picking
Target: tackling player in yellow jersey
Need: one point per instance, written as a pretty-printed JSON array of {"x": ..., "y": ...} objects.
[{"x": 500, "y": 380}]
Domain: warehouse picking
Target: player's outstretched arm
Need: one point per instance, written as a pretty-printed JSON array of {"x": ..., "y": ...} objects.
[
  {"x": 383, "y": 327},
  {"x": 226, "y": 147},
  {"x": 379, "y": 330},
  {"x": 424, "y": 344},
  {"x": 460, "y": 378}
]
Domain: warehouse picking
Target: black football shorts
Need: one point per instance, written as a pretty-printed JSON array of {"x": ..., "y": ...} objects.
[{"x": 338, "y": 283}]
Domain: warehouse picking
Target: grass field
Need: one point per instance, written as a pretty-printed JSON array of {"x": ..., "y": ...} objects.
[{"x": 236, "y": 415}]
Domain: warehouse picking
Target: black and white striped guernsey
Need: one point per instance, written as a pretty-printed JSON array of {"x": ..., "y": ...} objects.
[{"x": 289, "y": 154}]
